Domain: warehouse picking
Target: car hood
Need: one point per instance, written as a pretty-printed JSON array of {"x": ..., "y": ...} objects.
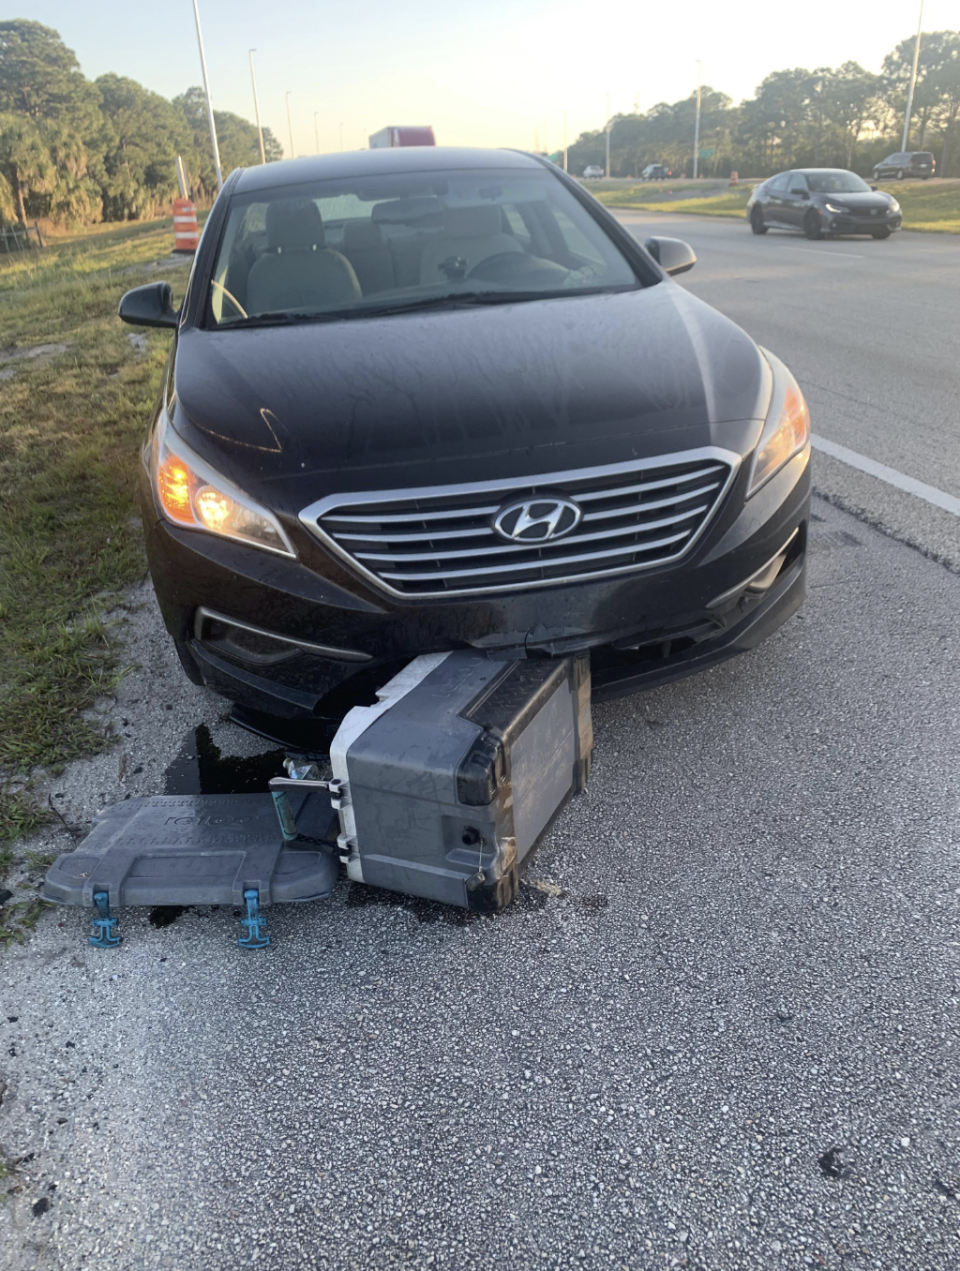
[
  {"x": 294, "y": 413},
  {"x": 858, "y": 202}
]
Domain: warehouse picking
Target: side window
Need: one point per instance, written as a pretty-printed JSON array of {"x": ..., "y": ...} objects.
[
  {"x": 797, "y": 182},
  {"x": 778, "y": 184},
  {"x": 576, "y": 241}
]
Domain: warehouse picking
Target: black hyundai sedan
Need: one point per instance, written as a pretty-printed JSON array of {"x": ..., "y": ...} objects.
[
  {"x": 428, "y": 399},
  {"x": 822, "y": 201}
]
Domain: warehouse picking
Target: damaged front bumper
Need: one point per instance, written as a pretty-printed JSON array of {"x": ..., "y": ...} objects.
[{"x": 283, "y": 639}]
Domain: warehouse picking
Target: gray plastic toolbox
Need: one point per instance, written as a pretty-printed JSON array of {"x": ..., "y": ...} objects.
[
  {"x": 451, "y": 779},
  {"x": 443, "y": 787}
]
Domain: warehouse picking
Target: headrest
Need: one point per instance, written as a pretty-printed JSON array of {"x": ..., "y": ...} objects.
[
  {"x": 482, "y": 221},
  {"x": 400, "y": 211},
  {"x": 360, "y": 235},
  {"x": 294, "y": 225}
]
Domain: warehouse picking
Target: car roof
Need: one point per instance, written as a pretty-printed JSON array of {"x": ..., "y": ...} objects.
[
  {"x": 382, "y": 161},
  {"x": 815, "y": 171}
]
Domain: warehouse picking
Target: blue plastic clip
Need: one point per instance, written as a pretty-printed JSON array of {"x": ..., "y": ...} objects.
[
  {"x": 254, "y": 921},
  {"x": 104, "y": 936}
]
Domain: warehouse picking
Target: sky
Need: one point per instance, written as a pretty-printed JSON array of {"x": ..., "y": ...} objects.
[{"x": 498, "y": 73}]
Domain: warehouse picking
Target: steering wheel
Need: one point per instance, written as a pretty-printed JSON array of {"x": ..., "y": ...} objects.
[{"x": 489, "y": 269}]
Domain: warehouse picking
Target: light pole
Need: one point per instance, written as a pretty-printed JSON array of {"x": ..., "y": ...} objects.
[
  {"x": 913, "y": 82},
  {"x": 696, "y": 130},
  {"x": 206, "y": 89},
  {"x": 293, "y": 153},
  {"x": 256, "y": 108},
  {"x": 316, "y": 129},
  {"x": 608, "y": 136}
]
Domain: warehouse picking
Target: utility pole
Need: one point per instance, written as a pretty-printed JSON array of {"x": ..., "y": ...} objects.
[
  {"x": 316, "y": 129},
  {"x": 696, "y": 131},
  {"x": 256, "y": 108},
  {"x": 608, "y": 136},
  {"x": 293, "y": 153},
  {"x": 913, "y": 82},
  {"x": 206, "y": 89}
]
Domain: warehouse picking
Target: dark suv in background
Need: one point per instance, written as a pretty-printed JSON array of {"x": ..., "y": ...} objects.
[{"x": 910, "y": 163}]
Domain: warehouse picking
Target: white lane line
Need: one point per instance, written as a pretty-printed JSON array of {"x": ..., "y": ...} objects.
[
  {"x": 821, "y": 251},
  {"x": 891, "y": 476}
]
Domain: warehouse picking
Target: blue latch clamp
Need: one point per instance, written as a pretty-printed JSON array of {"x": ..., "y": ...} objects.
[
  {"x": 104, "y": 937},
  {"x": 254, "y": 921}
]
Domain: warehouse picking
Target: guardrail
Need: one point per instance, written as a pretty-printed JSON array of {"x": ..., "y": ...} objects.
[{"x": 20, "y": 238}]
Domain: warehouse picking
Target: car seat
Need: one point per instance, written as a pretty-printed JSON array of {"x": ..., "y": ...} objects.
[
  {"x": 297, "y": 271},
  {"x": 470, "y": 234},
  {"x": 369, "y": 255}
]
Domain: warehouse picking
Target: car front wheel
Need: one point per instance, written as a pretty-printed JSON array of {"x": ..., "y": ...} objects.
[
  {"x": 811, "y": 225},
  {"x": 756, "y": 221},
  {"x": 880, "y": 233}
]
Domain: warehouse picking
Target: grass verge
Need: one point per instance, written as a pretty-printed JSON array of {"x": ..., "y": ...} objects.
[
  {"x": 931, "y": 207},
  {"x": 75, "y": 396}
]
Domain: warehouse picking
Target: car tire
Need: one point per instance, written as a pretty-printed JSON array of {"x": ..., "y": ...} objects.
[
  {"x": 880, "y": 233},
  {"x": 899, "y": 174},
  {"x": 756, "y": 221},
  {"x": 811, "y": 226}
]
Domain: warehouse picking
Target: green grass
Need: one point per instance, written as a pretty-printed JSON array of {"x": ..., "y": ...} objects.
[
  {"x": 70, "y": 424},
  {"x": 928, "y": 206}
]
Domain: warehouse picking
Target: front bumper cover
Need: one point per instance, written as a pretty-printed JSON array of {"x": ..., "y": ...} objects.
[{"x": 643, "y": 629}]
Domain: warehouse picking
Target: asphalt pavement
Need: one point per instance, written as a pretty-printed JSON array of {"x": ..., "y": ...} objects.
[
  {"x": 872, "y": 332},
  {"x": 719, "y": 1030}
]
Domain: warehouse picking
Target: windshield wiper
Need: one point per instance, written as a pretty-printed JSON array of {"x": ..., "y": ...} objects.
[{"x": 449, "y": 300}]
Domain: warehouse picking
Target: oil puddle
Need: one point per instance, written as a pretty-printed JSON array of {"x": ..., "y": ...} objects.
[
  {"x": 531, "y": 897},
  {"x": 200, "y": 768},
  {"x": 165, "y": 915},
  {"x": 362, "y": 896}
]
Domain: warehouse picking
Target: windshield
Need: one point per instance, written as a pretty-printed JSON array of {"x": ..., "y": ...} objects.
[
  {"x": 352, "y": 248},
  {"x": 836, "y": 183}
]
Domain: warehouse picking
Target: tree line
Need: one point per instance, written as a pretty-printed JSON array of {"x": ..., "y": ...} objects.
[
  {"x": 78, "y": 151},
  {"x": 844, "y": 117}
]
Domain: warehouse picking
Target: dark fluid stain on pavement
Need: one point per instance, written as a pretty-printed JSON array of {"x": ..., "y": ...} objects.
[
  {"x": 360, "y": 896},
  {"x": 201, "y": 769},
  {"x": 41, "y": 1206},
  {"x": 529, "y": 898},
  {"x": 832, "y": 1165},
  {"x": 593, "y": 904},
  {"x": 165, "y": 915}
]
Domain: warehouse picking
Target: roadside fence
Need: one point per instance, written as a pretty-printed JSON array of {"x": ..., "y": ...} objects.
[{"x": 20, "y": 240}]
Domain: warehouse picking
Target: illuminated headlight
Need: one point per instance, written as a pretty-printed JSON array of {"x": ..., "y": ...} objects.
[
  {"x": 191, "y": 494},
  {"x": 836, "y": 209},
  {"x": 894, "y": 206},
  {"x": 787, "y": 430}
]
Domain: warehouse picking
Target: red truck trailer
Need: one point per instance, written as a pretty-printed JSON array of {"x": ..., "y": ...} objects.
[{"x": 402, "y": 136}]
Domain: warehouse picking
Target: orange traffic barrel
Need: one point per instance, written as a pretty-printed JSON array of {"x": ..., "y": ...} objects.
[
  {"x": 734, "y": 177},
  {"x": 186, "y": 235}
]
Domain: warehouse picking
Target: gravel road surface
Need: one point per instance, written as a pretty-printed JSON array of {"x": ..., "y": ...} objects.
[
  {"x": 718, "y": 1031},
  {"x": 722, "y": 1032}
]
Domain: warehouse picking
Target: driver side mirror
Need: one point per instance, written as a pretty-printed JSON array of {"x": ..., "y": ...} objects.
[
  {"x": 800, "y": 194},
  {"x": 673, "y": 255},
  {"x": 149, "y": 306},
  {"x": 874, "y": 187}
]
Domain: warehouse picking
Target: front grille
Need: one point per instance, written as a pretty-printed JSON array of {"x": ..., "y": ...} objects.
[{"x": 440, "y": 541}]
